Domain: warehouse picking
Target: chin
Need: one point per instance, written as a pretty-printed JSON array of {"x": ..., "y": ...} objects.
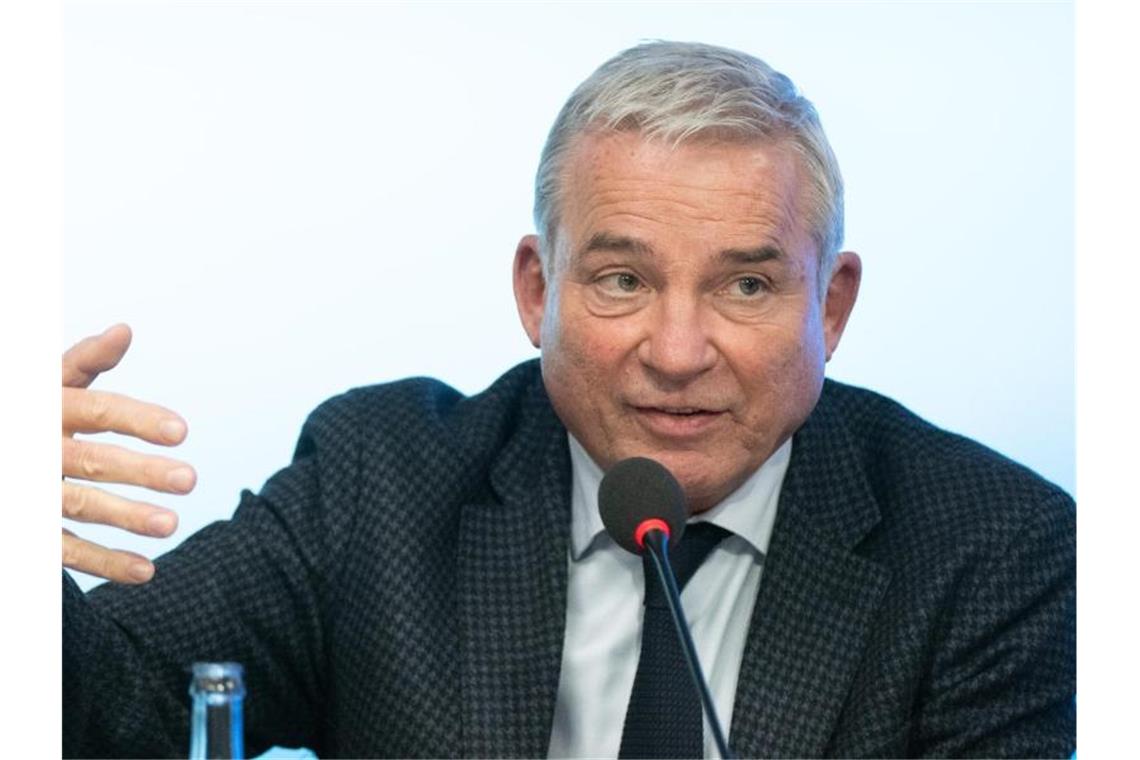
[
  {"x": 701, "y": 497},
  {"x": 697, "y": 475}
]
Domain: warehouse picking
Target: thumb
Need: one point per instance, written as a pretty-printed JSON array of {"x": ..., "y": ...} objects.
[{"x": 83, "y": 362}]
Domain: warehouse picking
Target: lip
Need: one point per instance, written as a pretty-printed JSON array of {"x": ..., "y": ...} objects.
[{"x": 668, "y": 422}]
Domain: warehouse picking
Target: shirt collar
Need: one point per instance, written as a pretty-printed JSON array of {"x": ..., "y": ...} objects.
[{"x": 749, "y": 511}]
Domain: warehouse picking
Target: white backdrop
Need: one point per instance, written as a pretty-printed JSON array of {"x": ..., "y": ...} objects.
[{"x": 288, "y": 201}]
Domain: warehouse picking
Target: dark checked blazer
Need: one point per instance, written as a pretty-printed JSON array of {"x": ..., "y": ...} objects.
[{"x": 400, "y": 590}]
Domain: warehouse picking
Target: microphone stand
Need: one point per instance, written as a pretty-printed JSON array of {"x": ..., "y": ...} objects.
[{"x": 657, "y": 544}]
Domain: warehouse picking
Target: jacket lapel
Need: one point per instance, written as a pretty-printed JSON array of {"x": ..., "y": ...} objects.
[
  {"x": 512, "y": 589},
  {"x": 808, "y": 629},
  {"x": 816, "y": 598}
]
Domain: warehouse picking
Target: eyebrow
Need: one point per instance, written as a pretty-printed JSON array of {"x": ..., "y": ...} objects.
[
  {"x": 604, "y": 241},
  {"x": 751, "y": 255}
]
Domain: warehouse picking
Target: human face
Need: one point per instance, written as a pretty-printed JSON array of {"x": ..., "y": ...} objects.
[{"x": 683, "y": 320}]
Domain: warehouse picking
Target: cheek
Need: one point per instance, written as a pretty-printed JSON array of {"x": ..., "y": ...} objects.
[
  {"x": 782, "y": 374},
  {"x": 582, "y": 362},
  {"x": 594, "y": 347},
  {"x": 573, "y": 348}
]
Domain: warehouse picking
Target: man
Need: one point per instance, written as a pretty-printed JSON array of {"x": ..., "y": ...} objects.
[{"x": 430, "y": 577}]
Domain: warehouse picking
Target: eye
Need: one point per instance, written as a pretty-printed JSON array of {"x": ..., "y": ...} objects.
[
  {"x": 628, "y": 282},
  {"x": 749, "y": 286},
  {"x": 620, "y": 283}
]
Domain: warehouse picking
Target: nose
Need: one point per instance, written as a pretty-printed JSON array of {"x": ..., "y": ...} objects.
[{"x": 677, "y": 345}]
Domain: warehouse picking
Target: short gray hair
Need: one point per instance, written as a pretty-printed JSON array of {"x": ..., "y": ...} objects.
[{"x": 679, "y": 91}]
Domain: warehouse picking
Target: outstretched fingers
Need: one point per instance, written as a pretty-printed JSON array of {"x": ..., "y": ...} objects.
[
  {"x": 113, "y": 564},
  {"x": 92, "y": 505},
  {"x": 87, "y": 411},
  {"x": 107, "y": 463},
  {"x": 84, "y": 361}
]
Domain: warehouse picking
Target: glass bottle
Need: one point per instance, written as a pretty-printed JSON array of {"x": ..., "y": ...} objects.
[{"x": 216, "y": 692}]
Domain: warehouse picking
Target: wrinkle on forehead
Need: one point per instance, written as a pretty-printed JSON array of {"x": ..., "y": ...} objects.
[
  {"x": 762, "y": 215},
  {"x": 666, "y": 201},
  {"x": 731, "y": 176}
]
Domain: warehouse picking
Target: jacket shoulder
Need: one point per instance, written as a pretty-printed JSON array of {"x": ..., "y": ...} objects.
[
  {"x": 980, "y": 552},
  {"x": 421, "y": 423},
  {"x": 921, "y": 475}
]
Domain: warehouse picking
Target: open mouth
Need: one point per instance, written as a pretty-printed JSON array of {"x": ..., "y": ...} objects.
[
  {"x": 677, "y": 421},
  {"x": 680, "y": 411}
]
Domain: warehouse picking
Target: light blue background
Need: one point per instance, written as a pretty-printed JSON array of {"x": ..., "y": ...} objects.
[{"x": 286, "y": 202}]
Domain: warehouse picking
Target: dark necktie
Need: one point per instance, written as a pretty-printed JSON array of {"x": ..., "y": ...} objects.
[{"x": 664, "y": 715}]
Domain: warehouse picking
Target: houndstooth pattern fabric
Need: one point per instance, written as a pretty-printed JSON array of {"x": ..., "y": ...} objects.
[{"x": 400, "y": 591}]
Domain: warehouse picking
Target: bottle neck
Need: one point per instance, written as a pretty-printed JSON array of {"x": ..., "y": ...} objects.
[{"x": 216, "y": 731}]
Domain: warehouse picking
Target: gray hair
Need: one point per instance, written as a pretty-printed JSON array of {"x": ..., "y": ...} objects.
[{"x": 679, "y": 91}]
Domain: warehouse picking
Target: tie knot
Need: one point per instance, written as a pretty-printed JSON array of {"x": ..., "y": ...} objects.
[{"x": 685, "y": 557}]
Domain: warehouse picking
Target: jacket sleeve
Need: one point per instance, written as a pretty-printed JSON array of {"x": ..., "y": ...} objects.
[
  {"x": 1003, "y": 678},
  {"x": 256, "y": 589}
]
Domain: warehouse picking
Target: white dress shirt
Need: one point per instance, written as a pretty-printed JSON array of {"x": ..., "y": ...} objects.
[{"x": 606, "y": 587}]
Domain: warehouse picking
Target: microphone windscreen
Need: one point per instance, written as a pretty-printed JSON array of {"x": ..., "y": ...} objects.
[{"x": 639, "y": 489}]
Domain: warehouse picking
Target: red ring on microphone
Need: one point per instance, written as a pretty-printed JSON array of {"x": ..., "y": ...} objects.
[{"x": 653, "y": 523}]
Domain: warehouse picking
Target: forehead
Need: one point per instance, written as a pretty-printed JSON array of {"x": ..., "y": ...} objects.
[{"x": 727, "y": 192}]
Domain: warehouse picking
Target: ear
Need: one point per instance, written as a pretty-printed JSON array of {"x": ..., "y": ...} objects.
[
  {"x": 530, "y": 287},
  {"x": 842, "y": 290}
]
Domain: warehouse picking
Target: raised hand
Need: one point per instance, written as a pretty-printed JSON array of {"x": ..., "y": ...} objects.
[{"x": 89, "y": 411}]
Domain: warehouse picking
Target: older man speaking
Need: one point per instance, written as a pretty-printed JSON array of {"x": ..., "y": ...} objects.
[{"x": 430, "y": 576}]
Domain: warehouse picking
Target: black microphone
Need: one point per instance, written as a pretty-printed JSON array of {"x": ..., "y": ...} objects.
[{"x": 643, "y": 507}]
